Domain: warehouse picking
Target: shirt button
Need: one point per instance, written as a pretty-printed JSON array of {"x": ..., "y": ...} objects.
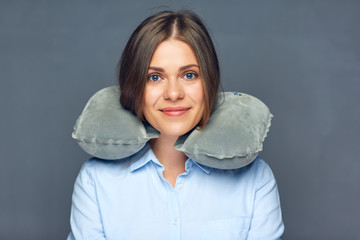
[
  {"x": 179, "y": 186},
  {"x": 175, "y": 221}
]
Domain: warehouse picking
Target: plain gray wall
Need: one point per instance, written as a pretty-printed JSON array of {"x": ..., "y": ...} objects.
[{"x": 302, "y": 58}]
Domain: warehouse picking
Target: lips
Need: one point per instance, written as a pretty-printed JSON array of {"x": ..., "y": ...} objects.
[{"x": 174, "y": 111}]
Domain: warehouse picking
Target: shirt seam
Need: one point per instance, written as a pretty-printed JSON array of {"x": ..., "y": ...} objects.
[
  {"x": 254, "y": 192},
  {"x": 93, "y": 172}
]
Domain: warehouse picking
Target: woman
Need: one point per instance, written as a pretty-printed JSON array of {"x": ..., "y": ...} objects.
[{"x": 169, "y": 78}]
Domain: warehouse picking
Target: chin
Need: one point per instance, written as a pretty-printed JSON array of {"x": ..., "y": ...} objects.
[{"x": 176, "y": 132}]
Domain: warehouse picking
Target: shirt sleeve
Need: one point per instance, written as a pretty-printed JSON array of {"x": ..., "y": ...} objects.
[
  {"x": 85, "y": 219},
  {"x": 267, "y": 221}
]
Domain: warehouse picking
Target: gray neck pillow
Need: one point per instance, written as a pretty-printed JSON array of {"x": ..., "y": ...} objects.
[{"x": 231, "y": 139}]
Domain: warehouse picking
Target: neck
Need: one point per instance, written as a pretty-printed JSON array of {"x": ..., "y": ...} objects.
[{"x": 172, "y": 159}]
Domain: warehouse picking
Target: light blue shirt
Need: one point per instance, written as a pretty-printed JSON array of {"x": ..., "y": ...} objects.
[{"x": 132, "y": 200}]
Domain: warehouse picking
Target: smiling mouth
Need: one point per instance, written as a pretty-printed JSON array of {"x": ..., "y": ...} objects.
[{"x": 174, "y": 111}]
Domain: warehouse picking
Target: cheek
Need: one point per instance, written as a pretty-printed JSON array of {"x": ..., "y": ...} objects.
[
  {"x": 151, "y": 95},
  {"x": 196, "y": 93}
]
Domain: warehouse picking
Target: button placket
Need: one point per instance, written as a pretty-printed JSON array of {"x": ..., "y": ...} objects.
[
  {"x": 174, "y": 207},
  {"x": 174, "y": 215},
  {"x": 179, "y": 186}
]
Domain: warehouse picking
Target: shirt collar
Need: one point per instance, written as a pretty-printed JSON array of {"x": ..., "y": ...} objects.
[
  {"x": 141, "y": 158},
  {"x": 204, "y": 168},
  {"x": 146, "y": 155}
]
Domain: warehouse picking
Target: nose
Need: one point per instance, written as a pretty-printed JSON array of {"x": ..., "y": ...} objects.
[{"x": 174, "y": 90}]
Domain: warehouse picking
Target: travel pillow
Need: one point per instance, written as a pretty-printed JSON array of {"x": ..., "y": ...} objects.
[{"x": 231, "y": 139}]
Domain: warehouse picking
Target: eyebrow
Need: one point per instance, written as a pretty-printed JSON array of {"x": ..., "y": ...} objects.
[{"x": 158, "y": 69}]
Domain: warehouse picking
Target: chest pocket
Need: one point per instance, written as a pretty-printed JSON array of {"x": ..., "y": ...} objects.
[{"x": 226, "y": 229}]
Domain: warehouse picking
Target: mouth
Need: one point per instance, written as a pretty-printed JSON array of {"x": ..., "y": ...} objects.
[{"x": 174, "y": 111}]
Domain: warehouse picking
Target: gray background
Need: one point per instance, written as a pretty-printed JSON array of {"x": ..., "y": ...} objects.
[{"x": 300, "y": 57}]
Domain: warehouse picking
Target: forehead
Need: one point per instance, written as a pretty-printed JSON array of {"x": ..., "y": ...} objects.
[{"x": 172, "y": 52}]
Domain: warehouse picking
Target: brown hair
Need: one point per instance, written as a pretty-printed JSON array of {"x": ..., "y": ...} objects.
[{"x": 185, "y": 26}]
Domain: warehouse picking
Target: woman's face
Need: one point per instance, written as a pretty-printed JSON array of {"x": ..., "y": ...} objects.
[{"x": 174, "y": 92}]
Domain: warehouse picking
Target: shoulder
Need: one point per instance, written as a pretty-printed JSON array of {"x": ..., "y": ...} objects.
[
  {"x": 95, "y": 167},
  {"x": 256, "y": 168},
  {"x": 261, "y": 171},
  {"x": 253, "y": 174},
  {"x": 261, "y": 168},
  {"x": 263, "y": 175},
  {"x": 98, "y": 163}
]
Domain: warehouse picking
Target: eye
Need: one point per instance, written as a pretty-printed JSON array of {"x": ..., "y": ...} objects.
[
  {"x": 190, "y": 75},
  {"x": 154, "y": 78}
]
